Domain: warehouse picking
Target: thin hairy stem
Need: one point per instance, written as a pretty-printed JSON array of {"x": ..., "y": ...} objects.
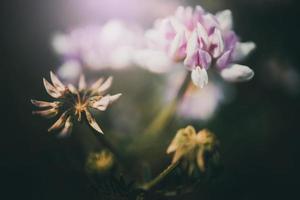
[{"x": 161, "y": 176}]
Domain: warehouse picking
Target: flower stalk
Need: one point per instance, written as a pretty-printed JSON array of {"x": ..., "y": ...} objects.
[
  {"x": 163, "y": 118},
  {"x": 148, "y": 186}
]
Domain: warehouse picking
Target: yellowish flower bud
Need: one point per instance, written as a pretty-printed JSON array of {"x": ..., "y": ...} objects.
[{"x": 100, "y": 162}]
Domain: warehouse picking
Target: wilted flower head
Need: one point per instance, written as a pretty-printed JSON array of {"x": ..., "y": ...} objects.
[
  {"x": 192, "y": 147},
  {"x": 201, "y": 40},
  {"x": 72, "y": 102},
  {"x": 99, "y": 161}
]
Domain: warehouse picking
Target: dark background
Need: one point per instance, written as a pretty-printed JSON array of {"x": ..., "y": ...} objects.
[{"x": 259, "y": 129}]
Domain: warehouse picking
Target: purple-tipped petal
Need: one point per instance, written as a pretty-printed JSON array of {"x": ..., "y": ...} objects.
[
  {"x": 192, "y": 60},
  {"x": 230, "y": 40},
  {"x": 217, "y": 43},
  {"x": 209, "y": 22},
  {"x": 203, "y": 36},
  {"x": 191, "y": 50},
  {"x": 224, "y": 60},
  {"x": 199, "y": 11},
  {"x": 204, "y": 59}
]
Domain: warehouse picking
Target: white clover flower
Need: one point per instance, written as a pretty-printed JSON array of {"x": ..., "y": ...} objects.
[
  {"x": 201, "y": 40},
  {"x": 110, "y": 46}
]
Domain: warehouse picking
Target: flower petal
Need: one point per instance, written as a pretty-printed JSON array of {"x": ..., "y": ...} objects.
[
  {"x": 237, "y": 73},
  {"x": 225, "y": 19},
  {"x": 82, "y": 83},
  {"x": 92, "y": 122},
  {"x": 177, "y": 156},
  {"x": 176, "y": 141},
  {"x": 183, "y": 137},
  {"x": 177, "y": 25},
  {"x": 191, "y": 50},
  {"x": 199, "y": 9},
  {"x": 204, "y": 59},
  {"x": 46, "y": 113},
  {"x": 67, "y": 128},
  {"x": 95, "y": 86},
  {"x": 192, "y": 60},
  {"x": 217, "y": 43},
  {"x": 224, "y": 60},
  {"x": 175, "y": 46},
  {"x": 105, "y": 85},
  {"x": 56, "y": 82},
  {"x": 199, "y": 77},
  {"x": 72, "y": 89},
  {"x": 209, "y": 22},
  {"x": 51, "y": 90},
  {"x": 43, "y": 104},
  {"x": 242, "y": 50},
  {"x": 115, "y": 97},
  {"x": 190, "y": 130},
  {"x": 172, "y": 147},
  {"x": 230, "y": 39},
  {"x": 102, "y": 103},
  {"x": 60, "y": 122},
  {"x": 202, "y": 34}
]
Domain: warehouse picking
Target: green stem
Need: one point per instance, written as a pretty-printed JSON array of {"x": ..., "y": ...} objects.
[
  {"x": 159, "y": 123},
  {"x": 161, "y": 176},
  {"x": 164, "y": 117}
]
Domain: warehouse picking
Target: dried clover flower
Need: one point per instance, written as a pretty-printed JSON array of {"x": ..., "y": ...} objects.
[
  {"x": 192, "y": 147},
  {"x": 73, "y": 102},
  {"x": 99, "y": 161}
]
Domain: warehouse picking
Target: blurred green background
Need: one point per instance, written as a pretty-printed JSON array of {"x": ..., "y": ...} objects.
[{"x": 258, "y": 130}]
